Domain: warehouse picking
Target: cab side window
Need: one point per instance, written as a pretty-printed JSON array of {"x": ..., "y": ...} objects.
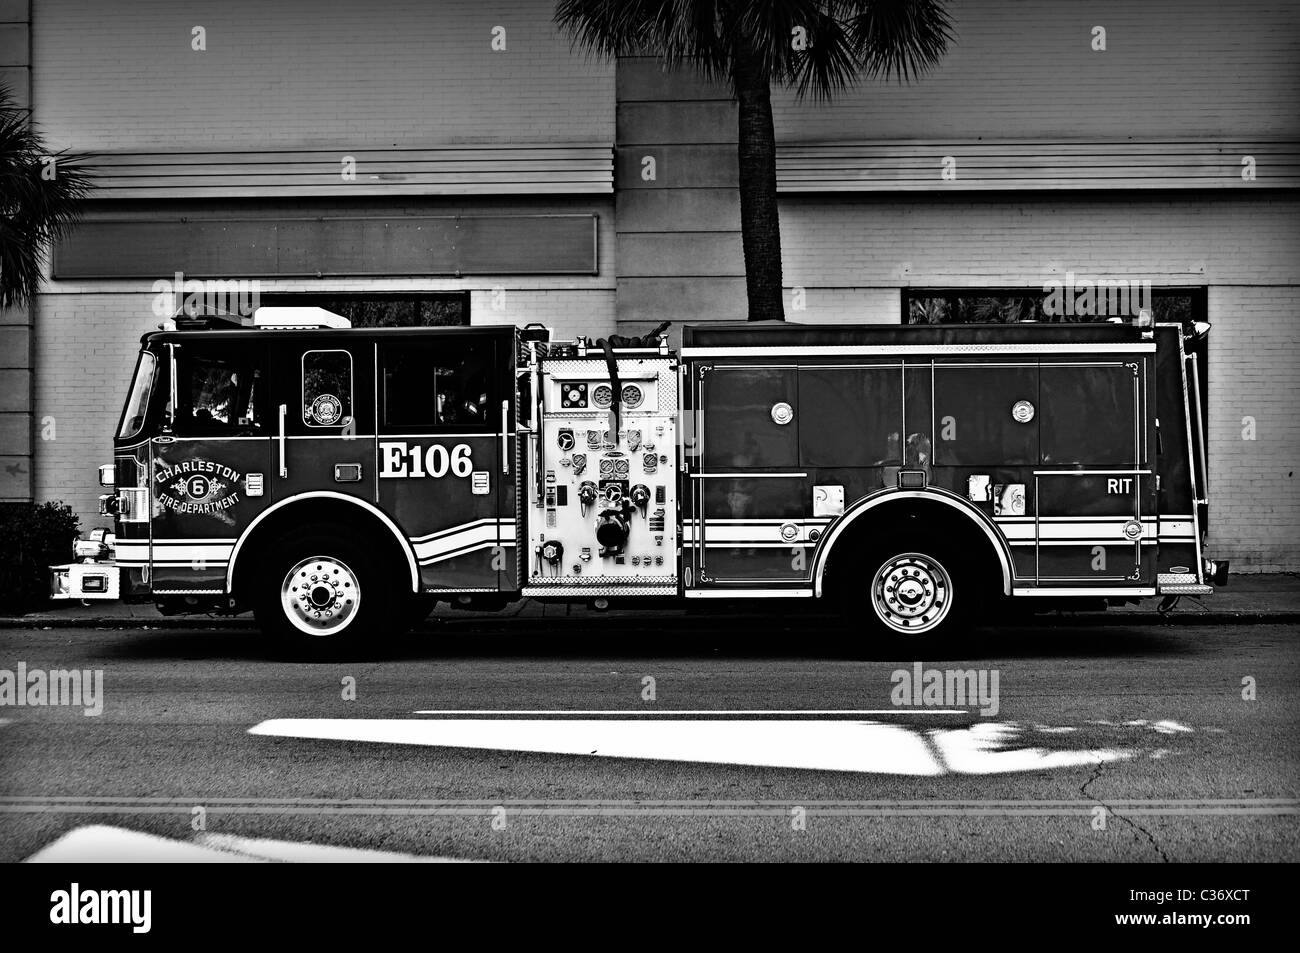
[
  {"x": 218, "y": 394},
  {"x": 438, "y": 385},
  {"x": 327, "y": 388}
]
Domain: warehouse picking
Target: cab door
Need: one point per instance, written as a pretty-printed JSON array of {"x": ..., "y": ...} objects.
[
  {"x": 445, "y": 456},
  {"x": 209, "y": 466}
]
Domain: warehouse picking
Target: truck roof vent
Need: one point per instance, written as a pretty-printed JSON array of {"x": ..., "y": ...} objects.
[{"x": 298, "y": 318}]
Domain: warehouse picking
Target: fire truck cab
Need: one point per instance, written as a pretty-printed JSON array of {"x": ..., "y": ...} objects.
[{"x": 339, "y": 481}]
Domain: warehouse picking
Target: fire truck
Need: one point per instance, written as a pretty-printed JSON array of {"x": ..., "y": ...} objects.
[{"x": 341, "y": 482}]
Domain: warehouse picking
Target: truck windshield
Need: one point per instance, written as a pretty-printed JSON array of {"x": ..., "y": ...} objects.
[{"x": 137, "y": 405}]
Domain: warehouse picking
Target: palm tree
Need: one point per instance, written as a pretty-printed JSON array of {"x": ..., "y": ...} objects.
[
  {"x": 40, "y": 198},
  {"x": 818, "y": 47}
]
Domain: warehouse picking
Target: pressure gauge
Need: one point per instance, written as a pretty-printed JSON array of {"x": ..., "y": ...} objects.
[{"x": 632, "y": 396}]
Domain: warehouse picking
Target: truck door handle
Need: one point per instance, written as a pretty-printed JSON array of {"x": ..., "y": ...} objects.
[
  {"x": 505, "y": 437},
  {"x": 284, "y": 411}
]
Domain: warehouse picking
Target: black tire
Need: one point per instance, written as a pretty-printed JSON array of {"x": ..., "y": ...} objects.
[
  {"x": 906, "y": 595},
  {"x": 344, "y": 600}
]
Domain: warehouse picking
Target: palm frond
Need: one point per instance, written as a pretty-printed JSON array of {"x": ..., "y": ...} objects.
[
  {"x": 41, "y": 192},
  {"x": 696, "y": 33},
  {"x": 846, "y": 40},
  {"x": 899, "y": 39}
]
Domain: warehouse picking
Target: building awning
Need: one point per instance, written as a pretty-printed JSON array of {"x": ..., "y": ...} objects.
[
  {"x": 1021, "y": 165},
  {"x": 545, "y": 169}
]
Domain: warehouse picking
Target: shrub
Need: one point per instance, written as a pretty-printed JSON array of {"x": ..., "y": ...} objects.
[{"x": 33, "y": 537}]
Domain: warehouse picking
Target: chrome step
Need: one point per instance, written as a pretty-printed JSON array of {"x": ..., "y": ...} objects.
[{"x": 1186, "y": 589}]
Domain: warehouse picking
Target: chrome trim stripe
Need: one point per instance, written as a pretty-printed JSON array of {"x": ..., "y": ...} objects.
[
  {"x": 834, "y": 350},
  {"x": 723, "y": 535},
  {"x": 1088, "y": 473},
  {"x": 1111, "y": 530},
  {"x": 1081, "y": 591},
  {"x": 747, "y": 476},
  {"x": 754, "y": 544},
  {"x": 764, "y": 521},
  {"x": 463, "y": 551},
  {"x": 598, "y": 591},
  {"x": 749, "y": 593},
  {"x": 183, "y": 541},
  {"x": 458, "y": 541},
  {"x": 180, "y": 553},
  {"x": 1097, "y": 541},
  {"x": 502, "y": 522}
]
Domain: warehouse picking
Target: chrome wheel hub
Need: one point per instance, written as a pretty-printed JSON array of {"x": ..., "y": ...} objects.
[
  {"x": 911, "y": 593},
  {"x": 320, "y": 595}
]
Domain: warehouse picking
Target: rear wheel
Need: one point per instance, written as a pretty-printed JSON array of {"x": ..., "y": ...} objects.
[
  {"x": 903, "y": 598},
  {"x": 321, "y": 593},
  {"x": 912, "y": 594}
]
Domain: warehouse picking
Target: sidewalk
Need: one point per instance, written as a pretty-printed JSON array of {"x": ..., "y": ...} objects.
[{"x": 1248, "y": 598}]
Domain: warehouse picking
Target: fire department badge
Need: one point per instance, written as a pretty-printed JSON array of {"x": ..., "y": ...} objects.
[
  {"x": 197, "y": 486},
  {"x": 326, "y": 410}
]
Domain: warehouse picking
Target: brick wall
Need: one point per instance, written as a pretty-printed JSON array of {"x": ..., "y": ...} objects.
[
  {"x": 1190, "y": 238},
  {"x": 1255, "y": 483},
  {"x": 121, "y": 75},
  {"x": 15, "y": 323},
  {"x": 15, "y": 49},
  {"x": 86, "y": 345},
  {"x": 15, "y": 405}
]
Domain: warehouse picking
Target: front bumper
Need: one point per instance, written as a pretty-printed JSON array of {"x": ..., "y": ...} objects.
[{"x": 85, "y": 581}]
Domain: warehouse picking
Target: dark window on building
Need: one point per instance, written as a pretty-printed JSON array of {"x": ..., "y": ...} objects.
[
  {"x": 1080, "y": 301},
  {"x": 438, "y": 385},
  {"x": 381, "y": 310}
]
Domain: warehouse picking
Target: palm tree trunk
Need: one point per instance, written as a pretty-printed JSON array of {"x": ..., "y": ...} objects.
[{"x": 760, "y": 222}]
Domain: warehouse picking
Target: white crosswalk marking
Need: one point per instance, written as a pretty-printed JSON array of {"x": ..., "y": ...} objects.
[
  {"x": 843, "y": 745},
  {"x": 104, "y": 844}
]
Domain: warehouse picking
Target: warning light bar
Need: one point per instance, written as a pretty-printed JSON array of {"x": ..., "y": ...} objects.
[{"x": 298, "y": 319}]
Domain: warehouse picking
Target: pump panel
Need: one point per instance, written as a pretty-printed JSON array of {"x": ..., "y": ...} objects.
[{"x": 602, "y": 504}]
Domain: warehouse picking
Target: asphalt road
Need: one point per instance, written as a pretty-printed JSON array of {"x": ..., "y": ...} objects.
[{"x": 1116, "y": 742}]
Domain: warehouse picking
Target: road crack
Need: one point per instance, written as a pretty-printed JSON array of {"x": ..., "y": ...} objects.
[{"x": 1139, "y": 832}]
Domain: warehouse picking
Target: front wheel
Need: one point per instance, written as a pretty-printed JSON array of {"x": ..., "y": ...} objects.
[{"x": 320, "y": 593}]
